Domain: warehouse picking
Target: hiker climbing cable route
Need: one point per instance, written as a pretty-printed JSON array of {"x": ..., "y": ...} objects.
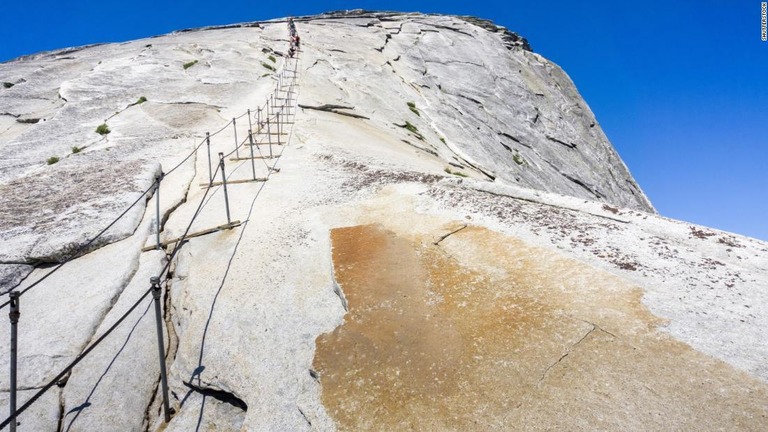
[{"x": 294, "y": 38}]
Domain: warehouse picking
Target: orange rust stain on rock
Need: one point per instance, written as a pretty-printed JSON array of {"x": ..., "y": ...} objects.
[{"x": 485, "y": 332}]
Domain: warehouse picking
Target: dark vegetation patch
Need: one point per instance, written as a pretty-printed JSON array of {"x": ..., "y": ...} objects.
[
  {"x": 561, "y": 225},
  {"x": 456, "y": 173},
  {"x": 701, "y": 233},
  {"x": 103, "y": 129},
  {"x": 730, "y": 241},
  {"x": 412, "y": 129},
  {"x": 366, "y": 176},
  {"x": 710, "y": 264},
  {"x": 412, "y": 107}
]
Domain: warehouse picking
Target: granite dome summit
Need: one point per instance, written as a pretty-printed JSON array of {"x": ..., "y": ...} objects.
[
  {"x": 433, "y": 232},
  {"x": 484, "y": 100}
]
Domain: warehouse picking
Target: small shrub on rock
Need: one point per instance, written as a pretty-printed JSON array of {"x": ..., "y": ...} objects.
[
  {"x": 412, "y": 129},
  {"x": 456, "y": 173},
  {"x": 103, "y": 129},
  {"x": 412, "y": 107}
]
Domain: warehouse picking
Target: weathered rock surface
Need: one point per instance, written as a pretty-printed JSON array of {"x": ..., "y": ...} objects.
[
  {"x": 42, "y": 416},
  {"x": 476, "y": 104},
  {"x": 483, "y": 332},
  {"x": 541, "y": 289},
  {"x": 11, "y": 275},
  {"x": 95, "y": 396},
  {"x": 98, "y": 176}
]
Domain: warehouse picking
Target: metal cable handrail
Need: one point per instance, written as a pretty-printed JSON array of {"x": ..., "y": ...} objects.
[{"x": 163, "y": 272}]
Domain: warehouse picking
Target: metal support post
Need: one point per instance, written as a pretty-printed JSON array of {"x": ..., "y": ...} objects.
[
  {"x": 155, "y": 281},
  {"x": 210, "y": 171},
  {"x": 237, "y": 145},
  {"x": 288, "y": 96},
  {"x": 224, "y": 183},
  {"x": 278, "y": 128},
  {"x": 14, "y": 316},
  {"x": 253, "y": 159},
  {"x": 250, "y": 141},
  {"x": 269, "y": 138},
  {"x": 158, "y": 179}
]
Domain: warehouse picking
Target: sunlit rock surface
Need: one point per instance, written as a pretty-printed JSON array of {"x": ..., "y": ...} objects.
[
  {"x": 446, "y": 240},
  {"x": 485, "y": 332}
]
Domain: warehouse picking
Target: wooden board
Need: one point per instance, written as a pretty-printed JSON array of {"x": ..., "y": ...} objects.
[
  {"x": 266, "y": 144},
  {"x": 230, "y": 225},
  {"x": 229, "y": 182},
  {"x": 270, "y": 133},
  {"x": 255, "y": 157}
]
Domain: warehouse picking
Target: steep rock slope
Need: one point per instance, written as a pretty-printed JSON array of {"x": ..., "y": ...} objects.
[
  {"x": 480, "y": 104},
  {"x": 470, "y": 303}
]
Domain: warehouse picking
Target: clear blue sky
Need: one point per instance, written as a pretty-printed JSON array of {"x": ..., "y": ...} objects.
[{"x": 680, "y": 87}]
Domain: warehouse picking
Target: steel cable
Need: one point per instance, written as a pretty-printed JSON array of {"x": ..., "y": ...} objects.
[
  {"x": 82, "y": 248},
  {"x": 91, "y": 347},
  {"x": 74, "y": 363}
]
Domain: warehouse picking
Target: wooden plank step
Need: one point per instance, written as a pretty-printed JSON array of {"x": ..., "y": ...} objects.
[
  {"x": 255, "y": 157},
  {"x": 273, "y": 133},
  {"x": 229, "y": 182},
  {"x": 256, "y": 144},
  {"x": 261, "y": 146},
  {"x": 263, "y": 132},
  {"x": 230, "y": 225},
  {"x": 260, "y": 131}
]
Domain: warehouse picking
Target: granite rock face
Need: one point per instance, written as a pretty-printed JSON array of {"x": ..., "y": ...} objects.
[
  {"x": 155, "y": 109},
  {"x": 472, "y": 99},
  {"x": 460, "y": 89},
  {"x": 441, "y": 236}
]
